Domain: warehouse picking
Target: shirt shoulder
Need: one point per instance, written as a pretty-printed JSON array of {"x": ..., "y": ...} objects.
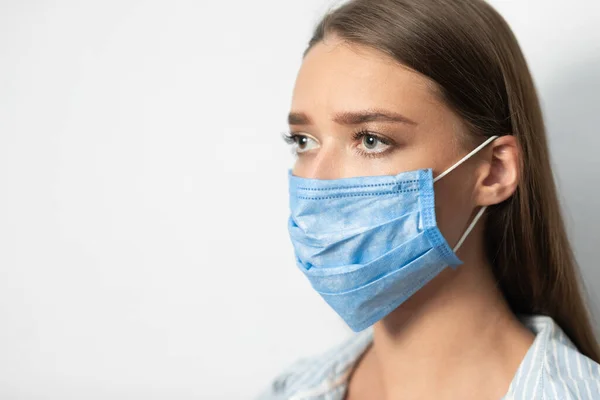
[
  {"x": 323, "y": 374},
  {"x": 553, "y": 367}
]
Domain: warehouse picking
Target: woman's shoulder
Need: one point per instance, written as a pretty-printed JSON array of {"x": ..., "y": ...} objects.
[
  {"x": 319, "y": 375},
  {"x": 553, "y": 367}
]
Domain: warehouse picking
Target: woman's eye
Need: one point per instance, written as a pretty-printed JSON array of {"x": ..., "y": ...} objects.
[
  {"x": 369, "y": 144},
  {"x": 301, "y": 143},
  {"x": 373, "y": 144}
]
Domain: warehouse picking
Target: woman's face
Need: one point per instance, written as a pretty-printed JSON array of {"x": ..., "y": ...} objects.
[{"x": 357, "y": 112}]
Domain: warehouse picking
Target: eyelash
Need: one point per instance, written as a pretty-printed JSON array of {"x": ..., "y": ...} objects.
[{"x": 291, "y": 138}]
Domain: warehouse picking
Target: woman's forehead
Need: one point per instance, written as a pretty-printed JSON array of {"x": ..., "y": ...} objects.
[{"x": 338, "y": 75}]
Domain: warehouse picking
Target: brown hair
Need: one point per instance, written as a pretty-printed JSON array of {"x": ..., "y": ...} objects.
[{"x": 469, "y": 50}]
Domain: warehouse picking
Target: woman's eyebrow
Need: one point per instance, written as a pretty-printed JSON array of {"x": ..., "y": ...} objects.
[{"x": 354, "y": 117}]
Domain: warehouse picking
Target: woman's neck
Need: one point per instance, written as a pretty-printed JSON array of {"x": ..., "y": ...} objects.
[{"x": 456, "y": 338}]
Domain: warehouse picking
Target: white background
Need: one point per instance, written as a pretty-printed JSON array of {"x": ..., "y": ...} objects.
[{"x": 143, "y": 195}]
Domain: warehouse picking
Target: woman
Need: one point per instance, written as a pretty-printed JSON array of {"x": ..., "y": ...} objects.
[{"x": 424, "y": 212}]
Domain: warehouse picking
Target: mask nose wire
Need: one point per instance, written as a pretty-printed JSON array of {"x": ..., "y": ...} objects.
[{"x": 482, "y": 210}]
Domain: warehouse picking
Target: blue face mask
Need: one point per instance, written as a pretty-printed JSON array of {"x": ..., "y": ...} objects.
[{"x": 368, "y": 243}]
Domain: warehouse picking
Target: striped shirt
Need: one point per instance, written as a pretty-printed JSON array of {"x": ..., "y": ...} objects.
[{"x": 552, "y": 369}]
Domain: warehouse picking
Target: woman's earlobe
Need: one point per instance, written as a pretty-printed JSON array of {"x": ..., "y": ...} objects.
[{"x": 501, "y": 176}]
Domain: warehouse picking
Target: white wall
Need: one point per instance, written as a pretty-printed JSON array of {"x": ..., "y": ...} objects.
[{"x": 143, "y": 197}]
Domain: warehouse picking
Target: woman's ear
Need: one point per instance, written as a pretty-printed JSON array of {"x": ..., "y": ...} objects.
[{"x": 500, "y": 173}]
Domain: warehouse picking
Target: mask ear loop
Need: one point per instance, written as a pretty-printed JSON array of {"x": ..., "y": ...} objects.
[
  {"x": 465, "y": 158},
  {"x": 469, "y": 229},
  {"x": 482, "y": 210}
]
